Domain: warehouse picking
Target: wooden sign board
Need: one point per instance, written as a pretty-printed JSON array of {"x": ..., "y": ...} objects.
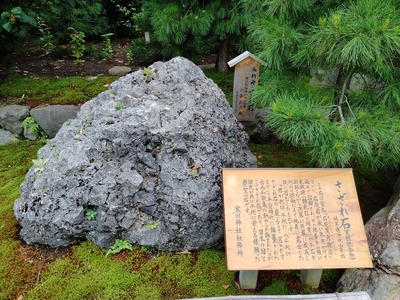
[
  {"x": 245, "y": 79},
  {"x": 277, "y": 219}
]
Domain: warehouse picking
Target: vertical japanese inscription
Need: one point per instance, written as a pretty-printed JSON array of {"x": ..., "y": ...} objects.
[
  {"x": 298, "y": 221},
  {"x": 246, "y": 78}
]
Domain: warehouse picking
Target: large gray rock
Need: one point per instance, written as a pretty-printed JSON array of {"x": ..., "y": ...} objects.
[
  {"x": 146, "y": 156},
  {"x": 51, "y": 118},
  {"x": 383, "y": 233},
  {"x": 6, "y": 137},
  {"x": 12, "y": 116}
]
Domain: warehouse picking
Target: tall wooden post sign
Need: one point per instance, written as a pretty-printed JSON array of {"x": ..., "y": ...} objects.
[{"x": 246, "y": 77}]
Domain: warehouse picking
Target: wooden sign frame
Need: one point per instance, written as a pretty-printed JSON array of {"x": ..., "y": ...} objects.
[
  {"x": 277, "y": 219},
  {"x": 247, "y": 68}
]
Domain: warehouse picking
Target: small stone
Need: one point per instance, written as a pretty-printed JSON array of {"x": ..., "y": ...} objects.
[
  {"x": 6, "y": 137},
  {"x": 51, "y": 118},
  {"x": 119, "y": 70},
  {"x": 12, "y": 116}
]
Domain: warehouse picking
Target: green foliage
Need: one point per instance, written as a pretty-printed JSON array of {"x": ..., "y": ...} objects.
[
  {"x": 121, "y": 15},
  {"x": 107, "y": 48},
  {"x": 46, "y": 90},
  {"x": 47, "y": 40},
  {"x": 90, "y": 215},
  {"x": 33, "y": 128},
  {"x": 147, "y": 74},
  {"x": 142, "y": 52},
  {"x": 10, "y": 19},
  {"x": 77, "y": 42},
  {"x": 183, "y": 27},
  {"x": 83, "y": 15},
  {"x": 15, "y": 24},
  {"x": 119, "y": 245},
  {"x": 152, "y": 225},
  {"x": 39, "y": 163},
  {"x": 340, "y": 127},
  {"x": 119, "y": 106}
]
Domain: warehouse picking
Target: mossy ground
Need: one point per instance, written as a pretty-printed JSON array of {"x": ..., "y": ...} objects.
[
  {"x": 34, "y": 91},
  {"x": 84, "y": 271}
]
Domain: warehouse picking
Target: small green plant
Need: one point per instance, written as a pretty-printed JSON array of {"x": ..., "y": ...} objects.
[
  {"x": 33, "y": 128},
  {"x": 57, "y": 155},
  {"x": 110, "y": 121},
  {"x": 79, "y": 129},
  {"x": 90, "y": 121},
  {"x": 119, "y": 245},
  {"x": 152, "y": 225},
  {"x": 119, "y": 106},
  {"x": 194, "y": 169},
  {"x": 107, "y": 48},
  {"x": 90, "y": 215},
  {"x": 69, "y": 122},
  {"x": 147, "y": 74},
  {"x": 77, "y": 41},
  {"x": 39, "y": 163},
  {"x": 47, "y": 40}
]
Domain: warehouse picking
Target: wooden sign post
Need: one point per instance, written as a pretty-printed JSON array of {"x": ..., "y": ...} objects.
[
  {"x": 147, "y": 37},
  {"x": 285, "y": 219},
  {"x": 246, "y": 77}
]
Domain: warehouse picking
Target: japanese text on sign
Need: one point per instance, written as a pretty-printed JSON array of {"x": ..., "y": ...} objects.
[{"x": 282, "y": 218}]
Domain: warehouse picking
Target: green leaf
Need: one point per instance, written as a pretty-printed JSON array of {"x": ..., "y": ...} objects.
[
  {"x": 24, "y": 18},
  {"x": 5, "y": 15},
  {"x": 7, "y": 26},
  {"x": 16, "y": 11},
  {"x": 152, "y": 225}
]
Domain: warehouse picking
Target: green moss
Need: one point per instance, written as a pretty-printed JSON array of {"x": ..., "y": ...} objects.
[
  {"x": 16, "y": 160},
  {"x": 276, "y": 155},
  {"x": 277, "y": 287},
  {"x": 50, "y": 90},
  {"x": 16, "y": 276},
  {"x": 87, "y": 274},
  {"x": 147, "y": 291}
]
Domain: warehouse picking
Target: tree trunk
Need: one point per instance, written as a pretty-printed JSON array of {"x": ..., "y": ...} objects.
[{"x": 223, "y": 57}]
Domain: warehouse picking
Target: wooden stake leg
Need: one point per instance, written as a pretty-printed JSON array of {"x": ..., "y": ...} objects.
[
  {"x": 248, "y": 279},
  {"x": 311, "y": 277}
]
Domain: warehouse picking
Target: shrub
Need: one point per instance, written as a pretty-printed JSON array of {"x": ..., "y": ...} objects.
[{"x": 142, "y": 52}]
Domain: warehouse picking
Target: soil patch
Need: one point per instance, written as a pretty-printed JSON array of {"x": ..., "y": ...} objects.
[{"x": 30, "y": 62}]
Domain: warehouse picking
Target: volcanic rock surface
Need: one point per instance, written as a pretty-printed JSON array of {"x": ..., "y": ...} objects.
[{"x": 142, "y": 162}]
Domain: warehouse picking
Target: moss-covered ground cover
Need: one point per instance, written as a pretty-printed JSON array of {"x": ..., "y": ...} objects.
[{"x": 34, "y": 91}]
